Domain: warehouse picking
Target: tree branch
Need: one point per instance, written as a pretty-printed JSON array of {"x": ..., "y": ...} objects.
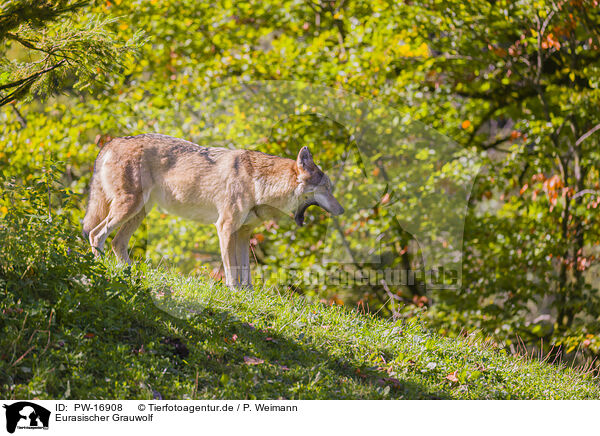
[
  {"x": 20, "y": 117},
  {"x": 25, "y": 43},
  {"x": 33, "y": 76},
  {"x": 496, "y": 143},
  {"x": 586, "y": 191},
  {"x": 587, "y": 134}
]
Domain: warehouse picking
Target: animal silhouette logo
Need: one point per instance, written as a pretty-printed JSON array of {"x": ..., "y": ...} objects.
[{"x": 26, "y": 415}]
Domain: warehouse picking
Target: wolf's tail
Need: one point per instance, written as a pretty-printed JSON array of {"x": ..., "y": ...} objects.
[{"x": 97, "y": 209}]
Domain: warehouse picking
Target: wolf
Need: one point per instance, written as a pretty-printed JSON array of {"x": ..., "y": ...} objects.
[{"x": 236, "y": 190}]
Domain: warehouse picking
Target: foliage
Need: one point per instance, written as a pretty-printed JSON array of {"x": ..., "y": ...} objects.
[
  {"x": 53, "y": 49},
  {"x": 75, "y": 328},
  {"x": 515, "y": 83},
  {"x": 527, "y": 86}
]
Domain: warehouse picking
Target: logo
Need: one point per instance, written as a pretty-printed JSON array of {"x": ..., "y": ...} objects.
[{"x": 26, "y": 415}]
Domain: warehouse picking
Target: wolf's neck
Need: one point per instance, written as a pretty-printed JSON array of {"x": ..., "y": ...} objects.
[{"x": 278, "y": 188}]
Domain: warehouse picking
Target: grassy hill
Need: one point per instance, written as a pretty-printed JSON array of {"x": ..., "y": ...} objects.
[{"x": 146, "y": 333}]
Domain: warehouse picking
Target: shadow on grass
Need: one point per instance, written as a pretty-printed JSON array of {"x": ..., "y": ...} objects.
[
  {"x": 113, "y": 341},
  {"x": 238, "y": 360}
]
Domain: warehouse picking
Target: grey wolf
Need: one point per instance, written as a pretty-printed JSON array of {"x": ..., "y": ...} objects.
[{"x": 236, "y": 190}]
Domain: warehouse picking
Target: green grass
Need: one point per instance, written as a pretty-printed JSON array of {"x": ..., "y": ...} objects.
[{"x": 149, "y": 333}]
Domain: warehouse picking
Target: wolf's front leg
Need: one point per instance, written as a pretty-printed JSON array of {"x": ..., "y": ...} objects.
[
  {"x": 226, "y": 233},
  {"x": 242, "y": 250}
]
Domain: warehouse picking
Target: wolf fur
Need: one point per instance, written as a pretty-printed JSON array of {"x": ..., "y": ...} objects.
[{"x": 234, "y": 189}]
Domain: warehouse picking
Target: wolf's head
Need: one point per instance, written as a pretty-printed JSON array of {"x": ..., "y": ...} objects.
[{"x": 315, "y": 188}]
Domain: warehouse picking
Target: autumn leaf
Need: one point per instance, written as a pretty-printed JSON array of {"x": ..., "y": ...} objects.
[
  {"x": 232, "y": 339},
  {"x": 335, "y": 300},
  {"x": 452, "y": 377},
  {"x": 385, "y": 381},
  {"x": 465, "y": 124},
  {"x": 524, "y": 188}
]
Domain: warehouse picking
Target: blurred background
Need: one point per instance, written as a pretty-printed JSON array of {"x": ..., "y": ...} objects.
[{"x": 506, "y": 91}]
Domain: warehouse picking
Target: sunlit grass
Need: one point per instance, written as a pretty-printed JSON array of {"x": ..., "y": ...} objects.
[
  {"x": 379, "y": 358},
  {"x": 142, "y": 332}
]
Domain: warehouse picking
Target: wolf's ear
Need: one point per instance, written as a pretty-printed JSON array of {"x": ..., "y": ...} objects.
[{"x": 305, "y": 161}]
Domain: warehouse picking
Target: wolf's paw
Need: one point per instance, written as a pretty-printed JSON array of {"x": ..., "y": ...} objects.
[
  {"x": 98, "y": 252},
  {"x": 240, "y": 287}
]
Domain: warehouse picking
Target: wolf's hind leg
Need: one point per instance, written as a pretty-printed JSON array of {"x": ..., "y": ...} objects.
[
  {"x": 121, "y": 239},
  {"x": 122, "y": 209},
  {"x": 96, "y": 248},
  {"x": 97, "y": 208}
]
